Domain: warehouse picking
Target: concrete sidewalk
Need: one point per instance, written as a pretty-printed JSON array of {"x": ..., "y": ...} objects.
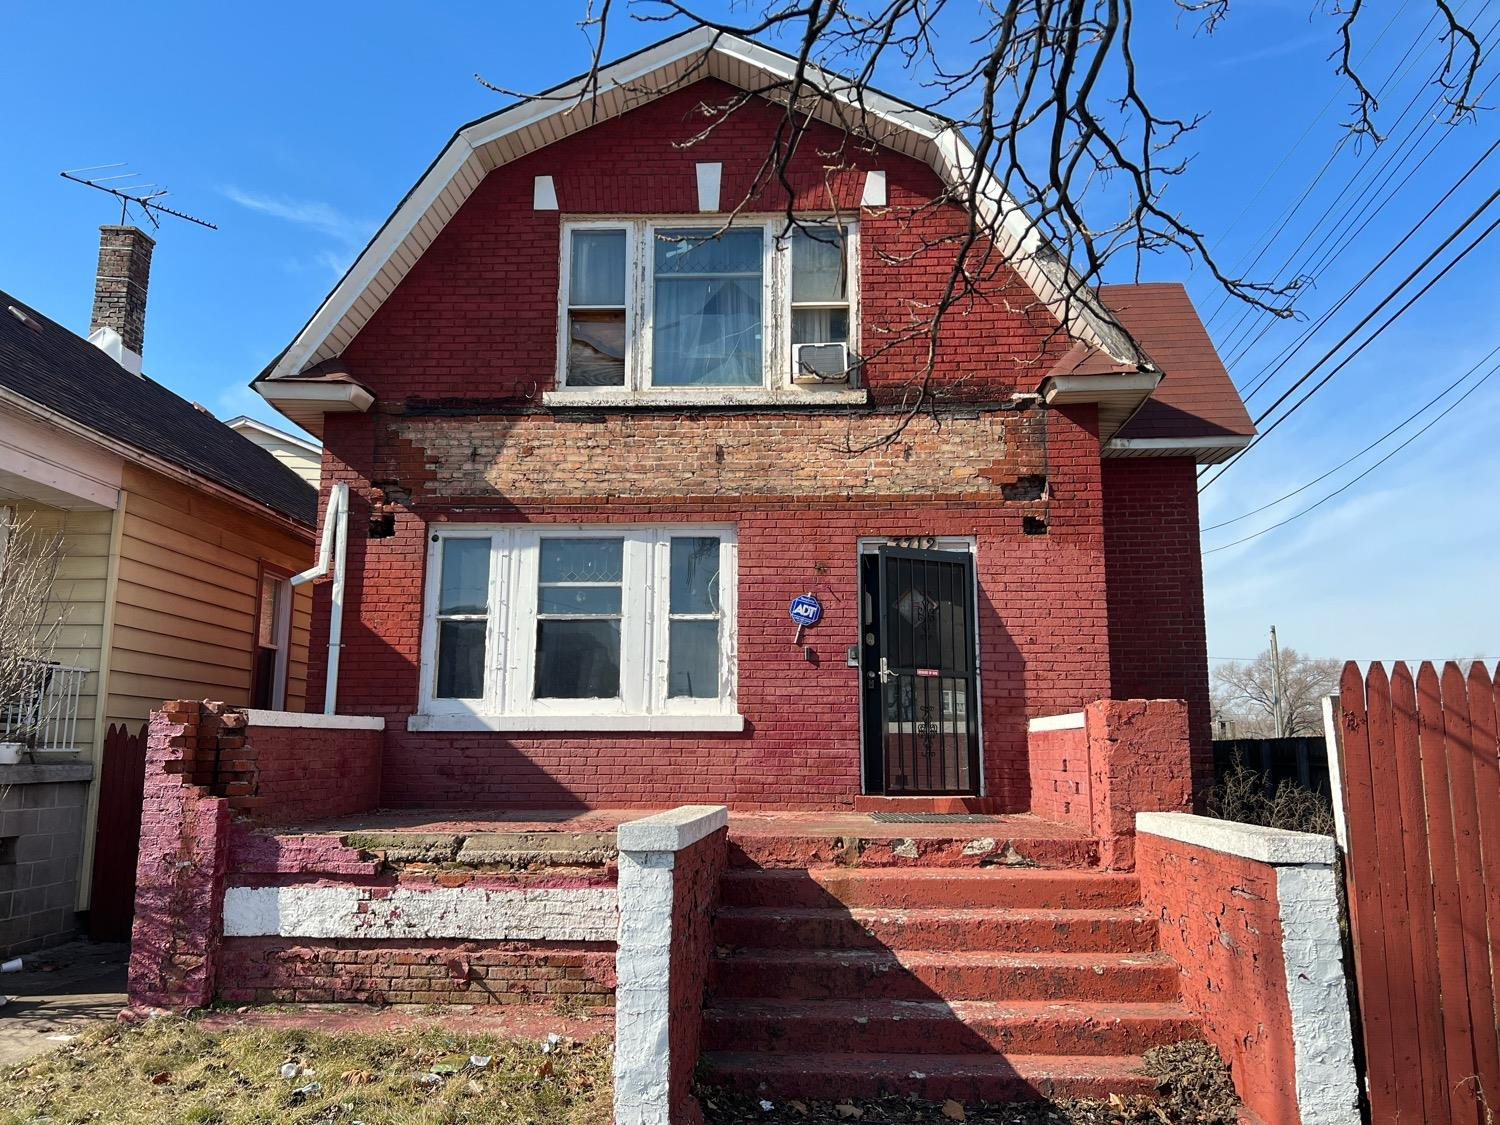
[{"x": 57, "y": 993}]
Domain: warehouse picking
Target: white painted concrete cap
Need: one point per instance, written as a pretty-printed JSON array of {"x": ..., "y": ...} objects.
[
  {"x": 1071, "y": 721},
  {"x": 312, "y": 720},
  {"x": 1275, "y": 846},
  {"x": 673, "y": 830}
]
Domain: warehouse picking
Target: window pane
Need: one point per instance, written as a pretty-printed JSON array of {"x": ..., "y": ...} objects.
[
  {"x": 820, "y": 326},
  {"x": 596, "y": 349},
  {"x": 695, "y": 575},
  {"x": 582, "y": 560},
  {"x": 597, "y": 273},
  {"x": 818, "y": 271},
  {"x": 578, "y": 600},
  {"x": 466, "y": 576},
  {"x": 695, "y": 250},
  {"x": 460, "y": 670},
  {"x": 693, "y": 660},
  {"x": 577, "y": 659},
  {"x": 707, "y": 316}
]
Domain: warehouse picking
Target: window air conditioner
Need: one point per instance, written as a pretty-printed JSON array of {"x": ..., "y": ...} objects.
[{"x": 821, "y": 363}]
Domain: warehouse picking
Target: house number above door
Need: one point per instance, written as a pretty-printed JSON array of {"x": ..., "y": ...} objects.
[{"x": 914, "y": 542}]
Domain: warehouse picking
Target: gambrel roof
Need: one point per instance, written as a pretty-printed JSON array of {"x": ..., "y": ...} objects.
[{"x": 581, "y": 102}]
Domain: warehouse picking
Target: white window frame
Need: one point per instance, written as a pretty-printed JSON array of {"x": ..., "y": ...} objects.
[
  {"x": 510, "y": 640},
  {"x": 777, "y": 367}
]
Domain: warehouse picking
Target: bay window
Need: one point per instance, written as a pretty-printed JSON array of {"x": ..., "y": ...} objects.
[
  {"x": 659, "y": 306},
  {"x": 564, "y": 628}
]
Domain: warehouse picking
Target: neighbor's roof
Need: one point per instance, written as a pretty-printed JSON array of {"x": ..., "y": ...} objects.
[
  {"x": 490, "y": 142},
  {"x": 1196, "y": 398},
  {"x": 64, "y": 373}
]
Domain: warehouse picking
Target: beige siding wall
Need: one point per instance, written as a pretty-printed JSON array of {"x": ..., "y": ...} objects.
[
  {"x": 78, "y": 597},
  {"x": 185, "y": 602}
]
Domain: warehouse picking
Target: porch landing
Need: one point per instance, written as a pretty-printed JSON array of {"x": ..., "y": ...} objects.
[{"x": 769, "y": 839}]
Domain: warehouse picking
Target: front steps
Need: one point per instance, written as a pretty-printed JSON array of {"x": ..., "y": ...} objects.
[{"x": 978, "y": 983}]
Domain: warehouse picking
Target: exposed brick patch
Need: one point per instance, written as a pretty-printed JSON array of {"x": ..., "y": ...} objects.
[
  {"x": 180, "y": 872},
  {"x": 276, "y": 970}
]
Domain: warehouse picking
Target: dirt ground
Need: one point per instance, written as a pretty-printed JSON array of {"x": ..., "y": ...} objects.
[
  {"x": 1194, "y": 1088},
  {"x": 57, "y": 994}
]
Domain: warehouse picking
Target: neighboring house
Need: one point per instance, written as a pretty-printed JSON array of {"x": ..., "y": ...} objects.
[
  {"x": 591, "y": 466},
  {"x": 179, "y": 537},
  {"x": 303, "y": 457}
]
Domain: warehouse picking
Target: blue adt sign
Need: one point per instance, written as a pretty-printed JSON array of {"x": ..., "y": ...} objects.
[{"x": 806, "y": 610}]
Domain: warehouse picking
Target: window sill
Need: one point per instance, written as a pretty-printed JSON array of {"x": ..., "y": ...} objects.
[
  {"x": 616, "y": 723},
  {"x": 595, "y": 398}
]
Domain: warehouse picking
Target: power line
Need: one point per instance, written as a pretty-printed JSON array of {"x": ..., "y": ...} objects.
[
  {"x": 1387, "y": 299},
  {"x": 1410, "y": 418},
  {"x": 1345, "y": 487}
]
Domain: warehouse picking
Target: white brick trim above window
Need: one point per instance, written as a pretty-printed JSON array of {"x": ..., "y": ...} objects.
[{"x": 544, "y": 627}]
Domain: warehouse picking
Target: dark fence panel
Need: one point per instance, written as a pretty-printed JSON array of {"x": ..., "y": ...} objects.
[{"x": 1300, "y": 760}]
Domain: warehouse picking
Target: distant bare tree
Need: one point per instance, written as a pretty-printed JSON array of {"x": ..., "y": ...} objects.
[
  {"x": 1243, "y": 691},
  {"x": 29, "y": 625},
  {"x": 1071, "y": 164}
]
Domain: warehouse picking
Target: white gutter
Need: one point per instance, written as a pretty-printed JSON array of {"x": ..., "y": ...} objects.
[{"x": 331, "y": 553}]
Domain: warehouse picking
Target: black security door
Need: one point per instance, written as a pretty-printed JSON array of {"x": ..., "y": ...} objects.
[{"x": 917, "y": 660}]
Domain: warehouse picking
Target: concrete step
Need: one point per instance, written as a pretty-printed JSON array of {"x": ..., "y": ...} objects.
[
  {"x": 1059, "y": 931},
  {"x": 899, "y": 888},
  {"x": 963, "y": 1027},
  {"x": 777, "y": 974},
  {"x": 968, "y": 1079}
]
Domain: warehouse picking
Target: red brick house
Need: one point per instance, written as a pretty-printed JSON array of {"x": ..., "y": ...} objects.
[{"x": 596, "y": 444}]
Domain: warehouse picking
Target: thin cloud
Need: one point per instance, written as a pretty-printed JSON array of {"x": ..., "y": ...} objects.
[{"x": 312, "y": 213}]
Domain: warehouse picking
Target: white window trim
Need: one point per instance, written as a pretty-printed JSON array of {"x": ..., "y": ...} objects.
[
  {"x": 510, "y": 652},
  {"x": 777, "y": 385}
]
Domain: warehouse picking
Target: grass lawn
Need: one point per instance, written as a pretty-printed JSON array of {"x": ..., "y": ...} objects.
[{"x": 169, "y": 1071}]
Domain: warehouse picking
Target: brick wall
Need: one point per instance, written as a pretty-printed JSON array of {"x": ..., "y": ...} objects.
[
  {"x": 1041, "y": 604},
  {"x": 695, "y": 897},
  {"x": 265, "y": 970},
  {"x": 1059, "y": 762},
  {"x": 284, "y": 774},
  {"x": 1158, "y": 647},
  {"x": 179, "y": 894}
]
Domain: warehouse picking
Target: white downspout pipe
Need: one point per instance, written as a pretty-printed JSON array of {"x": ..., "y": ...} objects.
[{"x": 331, "y": 556}]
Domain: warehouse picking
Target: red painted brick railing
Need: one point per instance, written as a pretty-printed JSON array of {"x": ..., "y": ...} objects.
[
  {"x": 1251, "y": 916},
  {"x": 1099, "y": 767}
]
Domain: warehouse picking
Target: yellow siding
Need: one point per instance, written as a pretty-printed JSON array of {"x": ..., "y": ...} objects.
[
  {"x": 185, "y": 600},
  {"x": 78, "y": 597}
]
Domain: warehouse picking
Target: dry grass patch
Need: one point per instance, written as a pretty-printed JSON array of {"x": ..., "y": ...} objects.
[{"x": 174, "y": 1071}]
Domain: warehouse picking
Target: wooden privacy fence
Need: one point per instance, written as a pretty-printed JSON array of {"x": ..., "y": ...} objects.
[
  {"x": 122, "y": 779},
  {"x": 1421, "y": 793}
]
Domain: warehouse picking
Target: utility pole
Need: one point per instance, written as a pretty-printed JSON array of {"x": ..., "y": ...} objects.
[{"x": 1276, "y": 686}]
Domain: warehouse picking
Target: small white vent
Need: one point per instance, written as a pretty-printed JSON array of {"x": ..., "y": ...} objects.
[{"x": 821, "y": 363}]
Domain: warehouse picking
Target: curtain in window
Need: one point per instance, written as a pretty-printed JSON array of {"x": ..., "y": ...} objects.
[{"x": 707, "y": 309}]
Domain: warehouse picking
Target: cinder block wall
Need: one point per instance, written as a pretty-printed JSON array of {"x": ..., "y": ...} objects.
[{"x": 41, "y": 837}]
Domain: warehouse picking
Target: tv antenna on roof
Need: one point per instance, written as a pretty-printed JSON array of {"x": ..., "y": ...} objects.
[{"x": 144, "y": 196}]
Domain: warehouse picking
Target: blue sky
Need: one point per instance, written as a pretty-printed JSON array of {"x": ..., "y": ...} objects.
[{"x": 297, "y": 128}]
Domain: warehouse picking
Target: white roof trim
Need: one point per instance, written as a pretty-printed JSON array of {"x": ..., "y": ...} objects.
[
  {"x": 1205, "y": 450},
  {"x": 486, "y": 144},
  {"x": 245, "y": 422}
]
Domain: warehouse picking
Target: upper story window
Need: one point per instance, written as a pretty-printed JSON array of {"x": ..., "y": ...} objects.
[{"x": 674, "y": 305}]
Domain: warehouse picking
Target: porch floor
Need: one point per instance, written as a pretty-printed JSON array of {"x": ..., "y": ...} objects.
[{"x": 793, "y": 824}]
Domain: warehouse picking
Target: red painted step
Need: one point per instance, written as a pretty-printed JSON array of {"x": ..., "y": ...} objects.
[
  {"x": 962, "y": 1027},
  {"x": 966, "y": 1078},
  {"x": 931, "y": 887},
  {"x": 780, "y": 850},
  {"x": 926, "y": 975},
  {"x": 1059, "y": 931}
]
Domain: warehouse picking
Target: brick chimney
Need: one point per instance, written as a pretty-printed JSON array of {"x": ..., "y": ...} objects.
[{"x": 120, "y": 285}]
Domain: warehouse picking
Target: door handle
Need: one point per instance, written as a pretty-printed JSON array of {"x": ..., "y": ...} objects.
[{"x": 885, "y": 673}]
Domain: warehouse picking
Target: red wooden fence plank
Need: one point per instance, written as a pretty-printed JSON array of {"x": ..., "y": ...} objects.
[
  {"x": 1458, "y": 743},
  {"x": 1427, "y": 1034},
  {"x": 1457, "y": 1034},
  {"x": 1386, "y": 795},
  {"x": 1365, "y": 912},
  {"x": 118, "y": 830},
  {"x": 1487, "y": 798}
]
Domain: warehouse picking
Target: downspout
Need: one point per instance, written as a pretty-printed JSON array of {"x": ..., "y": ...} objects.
[{"x": 331, "y": 556}]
